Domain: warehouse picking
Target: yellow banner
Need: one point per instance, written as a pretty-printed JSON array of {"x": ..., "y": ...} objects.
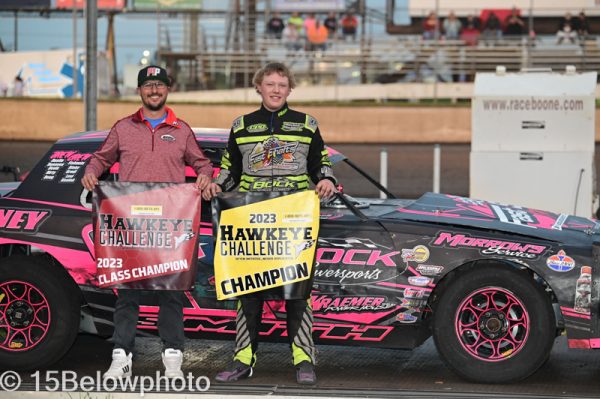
[{"x": 266, "y": 244}]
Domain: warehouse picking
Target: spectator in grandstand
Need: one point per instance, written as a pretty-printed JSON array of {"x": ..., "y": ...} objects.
[
  {"x": 492, "y": 28},
  {"x": 514, "y": 25},
  {"x": 474, "y": 20},
  {"x": 3, "y": 88},
  {"x": 298, "y": 21},
  {"x": 470, "y": 33},
  {"x": 18, "y": 87},
  {"x": 316, "y": 37},
  {"x": 275, "y": 26},
  {"x": 331, "y": 24},
  {"x": 437, "y": 67},
  {"x": 430, "y": 26},
  {"x": 309, "y": 22},
  {"x": 583, "y": 27},
  {"x": 452, "y": 27},
  {"x": 291, "y": 37},
  {"x": 566, "y": 29},
  {"x": 349, "y": 24}
]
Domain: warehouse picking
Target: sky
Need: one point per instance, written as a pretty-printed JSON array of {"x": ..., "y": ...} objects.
[{"x": 134, "y": 32}]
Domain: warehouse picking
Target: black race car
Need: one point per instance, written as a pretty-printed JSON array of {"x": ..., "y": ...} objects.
[{"x": 494, "y": 284}]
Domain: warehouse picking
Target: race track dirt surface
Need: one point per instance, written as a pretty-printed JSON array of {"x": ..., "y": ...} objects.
[{"x": 344, "y": 371}]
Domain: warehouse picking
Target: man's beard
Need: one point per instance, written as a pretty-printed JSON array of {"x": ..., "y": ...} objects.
[{"x": 156, "y": 107}]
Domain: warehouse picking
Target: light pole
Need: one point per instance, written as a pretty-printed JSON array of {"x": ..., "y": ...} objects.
[
  {"x": 91, "y": 70},
  {"x": 16, "y": 31},
  {"x": 75, "y": 63},
  {"x": 530, "y": 33}
]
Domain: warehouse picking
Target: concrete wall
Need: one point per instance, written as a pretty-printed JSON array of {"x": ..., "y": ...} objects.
[
  {"x": 27, "y": 119},
  {"x": 24, "y": 119}
]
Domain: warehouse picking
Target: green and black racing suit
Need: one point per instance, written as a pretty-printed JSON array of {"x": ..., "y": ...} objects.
[{"x": 274, "y": 151}]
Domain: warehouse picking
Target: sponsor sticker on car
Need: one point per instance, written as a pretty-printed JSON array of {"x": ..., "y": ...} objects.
[
  {"x": 419, "y": 281},
  {"x": 560, "y": 262},
  {"x": 406, "y": 318},
  {"x": 413, "y": 293},
  {"x": 430, "y": 270},
  {"x": 418, "y": 254}
]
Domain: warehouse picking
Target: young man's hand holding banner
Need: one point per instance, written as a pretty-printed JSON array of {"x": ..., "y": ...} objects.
[
  {"x": 266, "y": 243},
  {"x": 146, "y": 235}
]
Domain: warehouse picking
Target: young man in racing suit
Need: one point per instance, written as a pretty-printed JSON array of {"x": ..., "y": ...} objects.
[
  {"x": 274, "y": 149},
  {"x": 152, "y": 145}
]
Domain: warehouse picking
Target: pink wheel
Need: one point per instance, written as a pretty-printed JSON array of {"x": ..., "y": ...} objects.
[
  {"x": 39, "y": 312},
  {"x": 24, "y": 316},
  {"x": 493, "y": 323}
]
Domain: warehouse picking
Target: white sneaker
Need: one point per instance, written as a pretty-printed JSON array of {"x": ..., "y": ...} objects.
[
  {"x": 120, "y": 366},
  {"x": 172, "y": 359}
]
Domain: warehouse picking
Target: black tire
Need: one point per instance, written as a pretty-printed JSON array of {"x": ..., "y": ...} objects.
[
  {"x": 494, "y": 344},
  {"x": 49, "y": 313}
]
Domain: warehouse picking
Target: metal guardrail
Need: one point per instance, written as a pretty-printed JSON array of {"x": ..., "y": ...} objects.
[{"x": 401, "y": 59}]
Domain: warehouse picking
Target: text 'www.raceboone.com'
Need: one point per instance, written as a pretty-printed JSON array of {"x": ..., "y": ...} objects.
[
  {"x": 535, "y": 104},
  {"x": 69, "y": 381}
]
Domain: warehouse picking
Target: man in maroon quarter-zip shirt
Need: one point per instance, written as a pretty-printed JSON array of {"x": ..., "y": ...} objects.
[{"x": 152, "y": 145}]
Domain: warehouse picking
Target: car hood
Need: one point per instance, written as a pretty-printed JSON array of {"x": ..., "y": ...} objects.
[
  {"x": 460, "y": 211},
  {"x": 6, "y": 188}
]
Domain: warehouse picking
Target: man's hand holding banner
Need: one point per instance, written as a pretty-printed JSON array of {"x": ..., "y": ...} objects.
[
  {"x": 266, "y": 244},
  {"x": 146, "y": 235}
]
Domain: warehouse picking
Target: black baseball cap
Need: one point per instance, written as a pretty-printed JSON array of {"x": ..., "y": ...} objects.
[{"x": 153, "y": 72}]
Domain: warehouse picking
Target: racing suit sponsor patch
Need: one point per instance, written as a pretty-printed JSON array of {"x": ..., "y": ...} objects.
[
  {"x": 273, "y": 153},
  {"x": 238, "y": 124},
  {"x": 276, "y": 184},
  {"x": 311, "y": 123},
  {"x": 257, "y": 127},
  {"x": 292, "y": 126}
]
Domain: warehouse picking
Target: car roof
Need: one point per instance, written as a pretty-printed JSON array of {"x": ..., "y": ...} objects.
[
  {"x": 207, "y": 137},
  {"x": 202, "y": 135}
]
